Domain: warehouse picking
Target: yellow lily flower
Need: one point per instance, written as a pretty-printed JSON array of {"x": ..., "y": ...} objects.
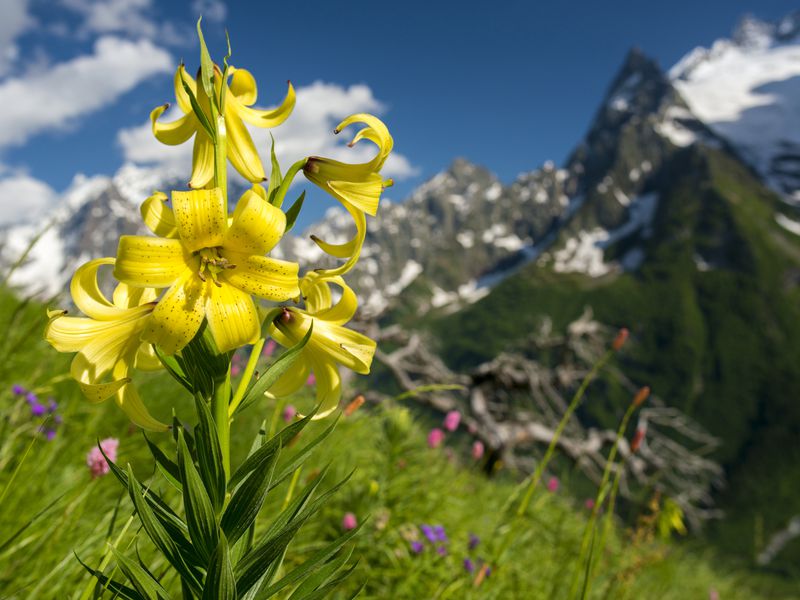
[
  {"x": 330, "y": 343},
  {"x": 107, "y": 341},
  {"x": 211, "y": 267},
  {"x": 241, "y": 94},
  {"x": 357, "y": 186}
]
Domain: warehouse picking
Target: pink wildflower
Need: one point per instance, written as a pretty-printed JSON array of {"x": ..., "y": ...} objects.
[
  {"x": 552, "y": 484},
  {"x": 312, "y": 379},
  {"x": 235, "y": 370},
  {"x": 269, "y": 348},
  {"x": 477, "y": 450},
  {"x": 589, "y": 504},
  {"x": 96, "y": 462},
  {"x": 451, "y": 420},
  {"x": 349, "y": 521},
  {"x": 289, "y": 413},
  {"x": 435, "y": 438}
]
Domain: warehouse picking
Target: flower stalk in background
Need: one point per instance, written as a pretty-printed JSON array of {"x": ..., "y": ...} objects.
[{"x": 187, "y": 298}]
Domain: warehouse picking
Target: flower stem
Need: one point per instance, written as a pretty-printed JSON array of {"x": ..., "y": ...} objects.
[
  {"x": 280, "y": 194},
  {"x": 247, "y": 375},
  {"x": 219, "y": 410}
]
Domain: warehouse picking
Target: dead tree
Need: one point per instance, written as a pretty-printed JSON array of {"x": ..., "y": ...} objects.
[{"x": 513, "y": 404}]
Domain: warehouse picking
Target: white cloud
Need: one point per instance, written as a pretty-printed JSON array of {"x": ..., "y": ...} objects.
[
  {"x": 23, "y": 198},
  {"x": 50, "y": 99},
  {"x": 308, "y": 131},
  {"x": 115, "y": 16},
  {"x": 211, "y": 10},
  {"x": 14, "y": 19}
]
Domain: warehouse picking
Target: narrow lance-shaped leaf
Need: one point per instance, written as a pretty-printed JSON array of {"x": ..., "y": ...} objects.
[
  {"x": 120, "y": 590},
  {"x": 143, "y": 582},
  {"x": 319, "y": 578},
  {"x": 260, "y": 456},
  {"x": 300, "y": 457},
  {"x": 160, "y": 537},
  {"x": 168, "y": 467},
  {"x": 209, "y": 454},
  {"x": 220, "y": 584},
  {"x": 275, "y": 176},
  {"x": 200, "y": 516},
  {"x": 276, "y": 369},
  {"x": 206, "y": 65},
  {"x": 247, "y": 501},
  {"x": 294, "y": 211},
  {"x": 201, "y": 116}
]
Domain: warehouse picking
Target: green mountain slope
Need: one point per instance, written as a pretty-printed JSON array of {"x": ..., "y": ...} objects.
[{"x": 715, "y": 323}]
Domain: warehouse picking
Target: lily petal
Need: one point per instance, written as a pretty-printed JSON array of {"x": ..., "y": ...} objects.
[
  {"x": 158, "y": 217},
  {"x": 178, "y": 315},
  {"x": 329, "y": 387},
  {"x": 257, "y": 225},
  {"x": 146, "y": 359},
  {"x": 265, "y": 118},
  {"x": 361, "y": 194},
  {"x": 319, "y": 301},
  {"x": 376, "y": 131},
  {"x": 75, "y": 334},
  {"x": 149, "y": 261},
  {"x": 351, "y": 249},
  {"x": 126, "y": 296},
  {"x": 293, "y": 379},
  {"x": 265, "y": 277},
  {"x": 243, "y": 86},
  {"x": 175, "y": 132},
  {"x": 232, "y": 317},
  {"x": 181, "y": 97},
  {"x": 86, "y": 293},
  {"x": 241, "y": 150},
  {"x": 200, "y": 218},
  {"x": 202, "y": 160},
  {"x": 128, "y": 400}
]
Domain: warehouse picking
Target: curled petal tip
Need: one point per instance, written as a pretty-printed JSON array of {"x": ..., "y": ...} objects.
[
  {"x": 350, "y": 145},
  {"x": 336, "y": 131},
  {"x": 265, "y": 179},
  {"x": 314, "y": 238},
  {"x": 166, "y": 105}
]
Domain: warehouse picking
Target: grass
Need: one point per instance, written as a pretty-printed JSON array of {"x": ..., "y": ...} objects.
[{"x": 53, "y": 510}]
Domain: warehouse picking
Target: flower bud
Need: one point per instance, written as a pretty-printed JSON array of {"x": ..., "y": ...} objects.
[
  {"x": 619, "y": 341},
  {"x": 642, "y": 395}
]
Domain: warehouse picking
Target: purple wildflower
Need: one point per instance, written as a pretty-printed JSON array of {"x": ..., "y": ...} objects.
[
  {"x": 52, "y": 405},
  {"x": 469, "y": 566},
  {"x": 50, "y": 434},
  {"x": 18, "y": 389},
  {"x": 417, "y": 547},
  {"x": 37, "y": 410},
  {"x": 31, "y": 398},
  {"x": 427, "y": 531},
  {"x": 439, "y": 534},
  {"x": 474, "y": 540},
  {"x": 441, "y": 550},
  {"x": 58, "y": 419}
]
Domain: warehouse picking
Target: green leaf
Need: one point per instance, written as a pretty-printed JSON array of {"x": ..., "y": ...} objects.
[
  {"x": 325, "y": 590},
  {"x": 173, "y": 368},
  {"x": 209, "y": 454},
  {"x": 247, "y": 501},
  {"x": 161, "y": 537},
  {"x": 200, "y": 516},
  {"x": 321, "y": 577},
  {"x": 7, "y": 542},
  {"x": 201, "y": 116},
  {"x": 314, "y": 562},
  {"x": 220, "y": 584},
  {"x": 260, "y": 456},
  {"x": 206, "y": 65},
  {"x": 294, "y": 211},
  {"x": 143, "y": 582},
  {"x": 275, "y": 176},
  {"x": 223, "y": 92},
  {"x": 123, "y": 591},
  {"x": 166, "y": 465},
  {"x": 275, "y": 370},
  {"x": 300, "y": 457}
]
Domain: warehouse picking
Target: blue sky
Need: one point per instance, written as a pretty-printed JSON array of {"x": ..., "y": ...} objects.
[{"x": 505, "y": 84}]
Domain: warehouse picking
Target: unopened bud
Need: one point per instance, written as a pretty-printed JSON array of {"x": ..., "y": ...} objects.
[
  {"x": 642, "y": 395},
  {"x": 354, "y": 405},
  {"x": 638, "y": 438},
  {"x": 620, "y": 340}
]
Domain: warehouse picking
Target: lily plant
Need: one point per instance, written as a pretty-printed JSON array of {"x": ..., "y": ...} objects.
[{"x": 186, "y": 298}]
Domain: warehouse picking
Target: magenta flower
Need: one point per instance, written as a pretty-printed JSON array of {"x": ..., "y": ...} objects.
[
  {"x": 18, "y": 390},
  {"x": 435, "y": 438},
  {"x": 311, "y": 380},
  {"x": 50, "y": 434},
  {"x": 451, "y": 420},
  {"x": 552, "y": 484},
  {"x": 441, "y": 550},
  {"x": 269, "y": 348},
  {"x": 417, "y": 547},
  {"x": 96, "y": 462},
  {"x": 37, "y": 410},
  {"x": 477, "y": 450},
  {"x": 349, "y": 521},
  {"x": 289, "y": 413},
  {"x": 427, "y": 531},
  {"x": 589, "y": 504}
]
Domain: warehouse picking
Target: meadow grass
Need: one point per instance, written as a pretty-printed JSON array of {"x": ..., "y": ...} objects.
[{"x": 52, "y": 510}]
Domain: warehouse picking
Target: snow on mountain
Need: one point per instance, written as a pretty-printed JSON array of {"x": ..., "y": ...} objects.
[{"x": 747, "y": 90}]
